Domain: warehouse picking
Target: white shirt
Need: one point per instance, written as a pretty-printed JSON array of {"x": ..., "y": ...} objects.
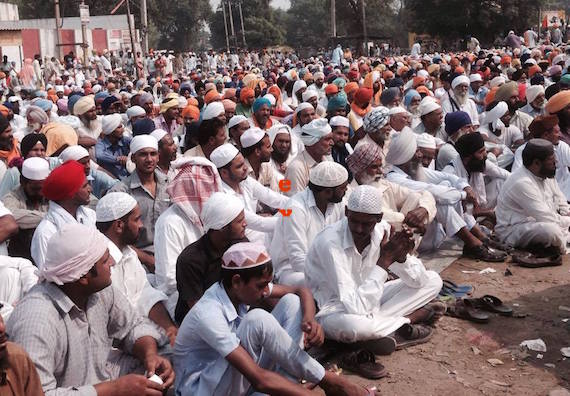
[
  {"x": 4, "y": 211},
  {"x": 294, "y": 234},
  {"x": 469, "y": 107},
  {"x": 55, "y": 218},
  {"x": 129, "y": 277},
  {"x": 173, "y": 232}
]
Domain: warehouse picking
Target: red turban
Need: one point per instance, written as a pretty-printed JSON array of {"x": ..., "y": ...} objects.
[
  {"x": 64, "y": 181},
  {"x": 363, "y": 96},
  {"x": 246, "y": 93}
]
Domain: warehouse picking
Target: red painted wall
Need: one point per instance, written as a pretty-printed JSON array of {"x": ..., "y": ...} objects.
[
  {"x": 68, "y": 37},
  {"x": 99, "y": 39},
  {"x": 30, "y": 42}
]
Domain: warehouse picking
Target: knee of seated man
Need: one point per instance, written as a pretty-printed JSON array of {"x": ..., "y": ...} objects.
[
  {"x": 258, "y": 319},
  {"x": 291, "y": 301},
  {"x": 434, "y": 281}
]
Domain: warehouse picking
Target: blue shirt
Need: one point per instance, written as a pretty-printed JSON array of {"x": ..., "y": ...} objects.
[{"x": 108, "y": 153}]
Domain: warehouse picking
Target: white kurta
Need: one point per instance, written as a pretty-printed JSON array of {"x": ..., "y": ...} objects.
[
  {"x": 17, "y": 276},
  {"x": 469, "y": 107},
  {"x": 355, "y": 301}
]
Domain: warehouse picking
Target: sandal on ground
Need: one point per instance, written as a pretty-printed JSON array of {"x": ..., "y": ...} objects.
[
  {"x": 484, "y": 253},
  {"x": 491, "y": 304},
  {"x": 378, "y": 346},
  {"x": 436, "y": 310},
  {"x": 529, "y": 260},
  {"x": 451, "y": 289},
  {"x": 363, "y": 363},
  {"x": 464, "y": 309},
  {"x": 412, "y": 334}
]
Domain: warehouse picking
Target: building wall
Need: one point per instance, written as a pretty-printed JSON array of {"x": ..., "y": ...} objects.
[
  {"x": 99, "y": 42},
  {"x": 31, "y": 42}
]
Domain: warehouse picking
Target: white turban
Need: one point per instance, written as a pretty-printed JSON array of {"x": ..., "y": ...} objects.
[
  {"x": 397, "y": 110},
  {"x": 36, "y": 114},
  {"x": 143, "y": 141},
  {"x": 276, "y": 129},
  {"x": 318, "y": 75},
  {"x": 110, "y": 123},
  {"x": 270, "y": 98},
  {"x": 493, "y": 115},
  {"x": 299, "y": 84},
  {"x": 84, "y": 104},
  {"x": 223, "y": 155},
  {"x": 237, "y": 119},
  {"x": 475, "y": 77},
  {"x": 423, "y": 73},
  {"x": 35, "y": 168},
  {"x": 303, "y": 106},
  {"x": 213, "y": 109},
  {"x": 497, "y": 81},
  {"x": 365, "y": 199},
  {"x": 182, "y": 102},
  {"x": 251, "y": 137},
  {"x": 339, "y": 121},
  {"x": 66, "y": 262},
  {"x": 308, "y": 94},
  {"x": 158, "y": 134},
  {"x": 425, "y": 140},
  {"x": 427, "y": 105},
  {"x": 315, "y": 131},
  {"x": 328, "y": 174},
  {"x": 114, "y": 206},
  {"x": 220, "y": 210},
  {"x": 533, "y": 91},
  {"x": 74, "y": 153},
  {"x": 135, "y": 111},
  {"x": 462, "y": 79},
  {"x": 402, "y": 147}
]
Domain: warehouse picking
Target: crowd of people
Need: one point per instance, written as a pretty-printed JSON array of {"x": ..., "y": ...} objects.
[{"x": 204, "y": 228}]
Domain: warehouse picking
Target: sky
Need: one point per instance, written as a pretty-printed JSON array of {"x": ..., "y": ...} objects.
[{"x": 283, "y": 4}]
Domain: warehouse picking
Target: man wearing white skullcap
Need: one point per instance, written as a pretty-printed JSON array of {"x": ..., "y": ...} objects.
[
  {"x": 341, "y": 130},
  {"x": 236, "y": 127},
  {"x": 305, "y": 113},
  {"x": 167, "y": 153},
  {"x": 459, "y": 99},
  {"x": 319, "y": 85},
  {"x": 148, "y": 186},
  {"x": 450, "y": 193},
  {"x": 347, "y": 270},
  {"x": 135, "y": 113},
  {"x": 282, "y": 143},
  {"x": 431, "y": 116},
  {"x": 118, "y": 218},
  {"x": 199, "y": 264},
  {"x": 27, "y": 204},
  {"x": 477, "y": 91},
  {"x": 311, "y": 210},
  {"x": 79, "y": 311},
  {"x": 112, "y": 150},
  {"x": 536, "y": 101},
  {"x": 312, "y": 97},
  {"x": 427, "y": 146},
  {"x": 244, "y": 356},
  {"x": 318, "y": 140},
  {"x": 399, "y": 118},
  {"x": 234, "y": 173},
  {"x": 256, "y": 148},
  {"x": 214, "y": 110}
]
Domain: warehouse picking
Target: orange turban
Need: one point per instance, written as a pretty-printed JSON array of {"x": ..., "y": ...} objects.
[
  {"x": 351, "y": 87},
  {"x": 558, "y": 102},
  {"x": 417, "y": 81},
  {"x": 212, "y": 96},
  {"x": 246, "y": 93},
  {"x": 193, "y": 101},
  {"x": 459, "y": 69},
  {"x": 4, "y": 111},
  {"x": 191, "y": 111},
  {"x": 363, "y": 96},
  {"x": 506, "y": 60},
  {"x": 422, "y": 89},
  {"x": 533, "y": 70},
  {"x": 275, "y": 91},
  {"x": 491, "y": 95},
  {"x": 388, "y": 75},
  {"x": 331, "y": 89}
]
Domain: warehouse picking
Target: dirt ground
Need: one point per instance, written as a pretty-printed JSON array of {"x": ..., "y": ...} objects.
[{"x": 455, "y": 361}]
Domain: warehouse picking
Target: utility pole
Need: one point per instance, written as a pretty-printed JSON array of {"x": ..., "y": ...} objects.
[
  {"x": 242, "y": 29},
  {"x": 84, "y": 17},
  {"x": 226, "y": 26},
  {"x": 144, "y": 27},
  {"x": 58, "y": 29},
  {"x": 234, "y": 38},
  {"x": 333, "y": 18},
  {"x": 364, "y": 32},
  {"x": 132, "y": 39}
]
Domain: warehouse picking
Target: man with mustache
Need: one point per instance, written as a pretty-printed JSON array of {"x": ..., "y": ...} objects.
[{"x": 459, "y": 99}]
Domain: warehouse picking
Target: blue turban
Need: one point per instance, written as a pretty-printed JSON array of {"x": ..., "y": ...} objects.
[
  {"x": 412, "y": 93},
  {"x": 388, "y": 95},
  {"x": 143, "y": 126},
  {"x": 44, "y": 104},
  {"x": 101, "y": 95},
  {"x": 109, "y": 100},
  {"x": 455, "y": 121},
  {"x": 337, "y": 102},
  {"x": 260, "y": 102},
  {"x": 340, "y": 83},
  {"x": 72, "y": 100}
]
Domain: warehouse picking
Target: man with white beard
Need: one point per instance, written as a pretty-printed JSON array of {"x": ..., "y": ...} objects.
[
  {"x": 450, "y": 193},
  {"x": 459, "y": 99}
]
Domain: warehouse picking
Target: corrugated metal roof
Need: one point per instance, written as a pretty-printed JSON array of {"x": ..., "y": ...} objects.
[{"x": 107, "y": 22}]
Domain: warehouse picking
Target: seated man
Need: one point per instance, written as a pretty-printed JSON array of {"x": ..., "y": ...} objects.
[
  {"x": 457, "y": 124},
  {"x": 222, "y": 349},
  {"x": 119, "y": 219},
  {"x": 199, "y": 264},
  {"x": 318, "y": 205},
  {"x": 8, "y": 228},
  {"x": 347, "y": 271},
  {"x": 532, "y": 213},
  {"x": 28, "y": 205},
  {"x": 113, "y": 147},
  {"x": 77, "y": 319},
  {"x": 450, "y": 193},
  {"x": 256, "y": 148},
  {"x": 282, "y": 143},
  {"x": 17, "y": 277},
  {"x": 340, "y": 130}
]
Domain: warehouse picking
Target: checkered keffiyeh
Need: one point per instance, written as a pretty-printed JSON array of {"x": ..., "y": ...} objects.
[
  {"x": 197, "y": 179},
  {"x": 362, "y": 157},
  {"x": 375, "y": 119}
]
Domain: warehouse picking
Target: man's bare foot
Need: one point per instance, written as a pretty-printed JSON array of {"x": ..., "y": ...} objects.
[{"x": 336, "y": 385}]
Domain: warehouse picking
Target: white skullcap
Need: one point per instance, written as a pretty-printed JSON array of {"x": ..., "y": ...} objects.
[
  {"x": 475, "y": 77},
  {"x": 308, "y": 94},
  {"x": 365, "y": 199},
  {"x": 438, "y": 93},
  {"x": 110, "y": 123},
  {"x": 303, "y": 106},
  {"x": 423, "y": 73},
  {"x": 74, "y": 153},
  {"x": 339, "y": 121},
  {"x": 59, "y": 88},
  {"x": 462, "y": 79},
  {"x": 315, "y": 131},
  {"x": 397, "y": 110},
  {"x": 235, "y": 120},
  {"x": 135, "y": 111},
  {"x": 270, "y": 98},
  {"x": 223, "y": 155},
  {"x": 558, "y": 58},
  {"x": 96, "y": 88},
  {"x": 328, "y": 174},
  {"x": 35, "y": 168},
  {"x": 402, "y": 148},
  {"x": 425, "y": 140},
  {"x": 491, "y": 116},
  {"x": 530, "y": 61},
  {"x": 73, "y": 251},
  {"x": 533, "y": 91},
  {"x": 220, "y": 210},
  {"x": 497, "y": 81},
  {"x": 244, "y": 255},
  {"x": 182, "y": 102},
  {"x": 251, "y": 137},
  {"x": 496, "y": 59},
  {"x": 13, "y": 99},
  {"x": 299, "y": 84},
  {"x": 113, "y": 206},
  {"x": 276, "y": 129},
  {"x": 213, "y": 109},
  {"x": 427, "y": 105},
  {"x": 143, "y": 141},
  {"x": 158, "y": 134}
]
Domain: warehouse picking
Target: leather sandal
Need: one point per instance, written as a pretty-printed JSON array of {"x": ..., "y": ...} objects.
[
  {"x": 378, "y": 346},
  {"x": 484, "y": 253},
  {"x": 363, "y": 363},
  {"x": 412, "y": 334},
  {"x": 495, "y": 244},
  {"x": 436, "y": 310},
  {"x": 464, "y": 309},
  {"x": 529, "y": 260},
  {"x": 491, "y": 304}
]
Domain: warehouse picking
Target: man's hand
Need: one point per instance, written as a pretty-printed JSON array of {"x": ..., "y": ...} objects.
[
  {"x": 471, "y": 197},
  {"x": 156, "y": 364},
  {"x": 497, "y": 151},
  {"x": 397, "y": 248},
  {"x": 416, "y": 218},
  {"x": 171, "y": 333},
  {"x": 122, "y": 159},
  {"x": 135, "y": 384},
  {"x": 314, "y": 334}
]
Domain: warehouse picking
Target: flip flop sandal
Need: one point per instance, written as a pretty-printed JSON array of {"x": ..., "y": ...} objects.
[
  {"x": 464, "y": 309},
  {"x": 436, "y": 311},
  {"x": 491, "y": 304},
  {"x": 412, "y": 334},
  {"x": 363, "y": 363},
  {"x": 468, "y": 289},
  {"x": 484, "y": 253},
  {"x": 378, "y": 346},
  {"x": 529, "y": 260}
]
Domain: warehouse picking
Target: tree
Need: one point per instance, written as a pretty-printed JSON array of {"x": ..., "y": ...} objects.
[{"x": 307, "y": 23}]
